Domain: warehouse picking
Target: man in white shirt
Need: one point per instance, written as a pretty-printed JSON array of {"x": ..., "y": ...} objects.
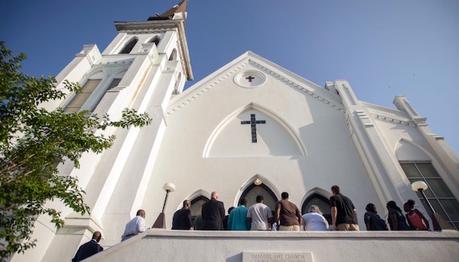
[
  {"x": 259, "y": 215},
  {"x": 135, "y": 226},
  {"x": 314, "y": 221}
]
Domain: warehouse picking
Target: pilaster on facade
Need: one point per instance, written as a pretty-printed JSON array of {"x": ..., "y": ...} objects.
[
  {"x": 381, "y": 164},
  {"x": 444, "y": 154}
]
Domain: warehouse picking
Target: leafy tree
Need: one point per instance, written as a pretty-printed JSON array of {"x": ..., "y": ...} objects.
[{"x": 33, "y": 141}]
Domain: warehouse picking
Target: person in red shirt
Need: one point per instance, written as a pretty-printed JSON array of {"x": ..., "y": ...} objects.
[{"x": 415, "y": 218}]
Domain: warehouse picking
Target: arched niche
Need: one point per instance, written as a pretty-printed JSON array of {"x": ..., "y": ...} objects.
[
  {"x": 320, "y": 198},
  {"x": 234, "y": 135}
]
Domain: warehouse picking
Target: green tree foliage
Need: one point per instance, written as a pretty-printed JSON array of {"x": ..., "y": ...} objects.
[{"x": 33, "y": 141}]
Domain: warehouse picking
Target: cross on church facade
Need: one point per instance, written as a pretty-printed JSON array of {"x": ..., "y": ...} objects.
[
  {"x": 250, "y": 78},
  {"x": 253, "y": 126}
]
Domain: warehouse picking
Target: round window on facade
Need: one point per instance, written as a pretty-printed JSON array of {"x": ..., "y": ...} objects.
[{"x": 250, "y": 78}]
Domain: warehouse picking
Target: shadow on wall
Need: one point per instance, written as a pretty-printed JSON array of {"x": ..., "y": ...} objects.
[
  {"x": 235, "y": 258},
  {"x": 333, "y": 158}
]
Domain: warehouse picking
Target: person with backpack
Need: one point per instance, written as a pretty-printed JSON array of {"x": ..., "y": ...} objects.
[
  {"x": 372, "y": 220},
  {"x": 395, "y": 218},
  {"x": 415, "y": 218}
]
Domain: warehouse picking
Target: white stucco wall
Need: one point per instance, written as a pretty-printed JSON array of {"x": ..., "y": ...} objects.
[{"x": 212, "y": 111}]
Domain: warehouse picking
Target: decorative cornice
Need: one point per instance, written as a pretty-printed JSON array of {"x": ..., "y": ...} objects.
[
  {"x": 394, "y": 120},
  {"x": 294, "y": 84},
  {"x": 286, "y": 80},
  {"x": 364, "y": 118},
  {"x": 147, "y": 25},
  {"x": 204, "y": 89}
]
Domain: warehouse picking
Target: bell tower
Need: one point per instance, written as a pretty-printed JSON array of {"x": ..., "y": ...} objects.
[
  {"x": 162, "y": 37},
  {"x": 144, "y": 66}
]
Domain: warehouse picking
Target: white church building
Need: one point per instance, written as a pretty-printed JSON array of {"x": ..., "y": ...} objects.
[{"x": 249, "y": 128}]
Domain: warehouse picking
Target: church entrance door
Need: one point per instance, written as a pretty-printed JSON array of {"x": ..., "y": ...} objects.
[
  {"x": 252, "y": 191},
  {"x": 320, "y": 201}
]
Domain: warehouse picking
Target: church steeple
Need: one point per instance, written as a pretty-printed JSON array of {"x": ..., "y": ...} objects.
[{"x": 166, "y": 30}]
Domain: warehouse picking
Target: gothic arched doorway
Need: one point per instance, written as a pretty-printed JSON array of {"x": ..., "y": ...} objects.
[
  {"x": 196, "y": 205},
  {"x": 322, "y": 202},
  {"x": 252, "y": 191}
]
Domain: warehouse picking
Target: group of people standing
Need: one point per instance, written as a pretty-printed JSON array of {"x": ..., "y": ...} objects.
[
  {"x": 287, "y": 216},
  {"x": 412, "y": 220}
]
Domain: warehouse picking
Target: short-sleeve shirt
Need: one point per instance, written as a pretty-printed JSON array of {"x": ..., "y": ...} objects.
[
  {"x": 345, "y": 209},
  {"x": 289, "y": 213},
  {"x": 238, "y": 219},
  {"x": 260, "y": 214}
]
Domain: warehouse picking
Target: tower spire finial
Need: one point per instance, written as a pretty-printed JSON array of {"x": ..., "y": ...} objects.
[{"x": 169, "y": 14}]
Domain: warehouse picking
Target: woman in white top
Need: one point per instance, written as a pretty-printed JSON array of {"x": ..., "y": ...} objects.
[{"x": 314, "y": 221}]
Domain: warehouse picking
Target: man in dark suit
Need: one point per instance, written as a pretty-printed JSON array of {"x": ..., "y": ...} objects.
[
  {"x": 182, "y": 217},
  {"x": 89, "y": 248},
  {"x": 213, "y": 213}
]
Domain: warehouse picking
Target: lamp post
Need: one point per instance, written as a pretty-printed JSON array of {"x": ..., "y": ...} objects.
[
  {"x": 160, "y": 221},
  {"x": 420, "y": 186}
]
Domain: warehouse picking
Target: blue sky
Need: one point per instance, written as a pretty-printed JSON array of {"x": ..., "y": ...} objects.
[{"x": 383, "y": 48}]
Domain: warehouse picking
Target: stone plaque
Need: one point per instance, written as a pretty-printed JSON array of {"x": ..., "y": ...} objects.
[{"x": 280, "y": 256}]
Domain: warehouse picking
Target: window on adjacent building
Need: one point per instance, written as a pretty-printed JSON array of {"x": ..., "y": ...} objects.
[
  {"x": 80, "y": 98},
  {"x": 438, "y": 194},
  {"x": 129, "y": 46}
]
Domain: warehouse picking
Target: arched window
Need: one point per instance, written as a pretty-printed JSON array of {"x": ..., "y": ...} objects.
[
  {"x": 438, "y": 194},
  {"x": 251, "y": 192},
  {"x": 155, "y": 40},
  {"x": 322, "y": 202},
  {"x": 173, "y": 55},
  {"x": 128, "y": 47}
]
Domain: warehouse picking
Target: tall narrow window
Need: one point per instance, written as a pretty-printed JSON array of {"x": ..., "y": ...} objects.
[
  {"x": 155, "y": 40},
  {"x": 438, "y": 194},
  {"x": 128, "y": 47},
  {"x": 114, "y": 83},
  {"x": 82, "y": 97},
  {"x": 322, "y": 202}
]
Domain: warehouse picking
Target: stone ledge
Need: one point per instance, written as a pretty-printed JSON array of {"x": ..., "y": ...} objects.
[
  {"x": 229, "y": 246},
  {"x": 446, "y": 234}
]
